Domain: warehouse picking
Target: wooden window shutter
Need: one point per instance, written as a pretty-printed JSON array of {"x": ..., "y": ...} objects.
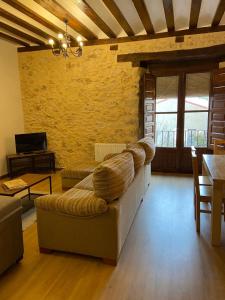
[
  {"x": 217, "y": 107},
  {"x": 147, "y": 106}
]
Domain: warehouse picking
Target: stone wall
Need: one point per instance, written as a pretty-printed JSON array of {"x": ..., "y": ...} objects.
[{"x": 81, "y": 101}]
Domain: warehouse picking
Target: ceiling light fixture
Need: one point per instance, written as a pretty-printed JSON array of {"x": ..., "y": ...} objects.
[{"x": 63, "y": 45}]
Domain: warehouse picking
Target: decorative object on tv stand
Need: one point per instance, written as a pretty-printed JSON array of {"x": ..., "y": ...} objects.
[{"x": 63, "y": 45}]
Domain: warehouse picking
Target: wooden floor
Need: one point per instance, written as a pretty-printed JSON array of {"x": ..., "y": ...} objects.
[{"x": 163, "y": 258}]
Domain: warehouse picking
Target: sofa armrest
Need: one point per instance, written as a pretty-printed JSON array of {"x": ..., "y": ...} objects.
[{"x": 76, "y": 202}]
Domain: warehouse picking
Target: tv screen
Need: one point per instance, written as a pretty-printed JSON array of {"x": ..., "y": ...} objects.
[{"x": 30, "y": 142}]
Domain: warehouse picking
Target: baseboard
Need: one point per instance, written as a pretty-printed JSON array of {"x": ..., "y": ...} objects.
[{"x": 3, "y": 176}]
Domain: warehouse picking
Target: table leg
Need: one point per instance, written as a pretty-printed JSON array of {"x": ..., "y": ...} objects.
[
  {"x": 216, "y": 213},
  {"x": 50, "y": 184},
  {"x": 29, "y": 194},
  {"x": 204, "y": 171}
]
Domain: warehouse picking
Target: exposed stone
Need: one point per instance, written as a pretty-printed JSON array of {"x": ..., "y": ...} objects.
[{"x": 89, "y": 99}]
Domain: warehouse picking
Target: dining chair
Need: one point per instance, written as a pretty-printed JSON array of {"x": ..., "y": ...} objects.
[
  {"x": 219, "y": 146},
  {"x": 203, "y": 180},
  {"x": 202, "y": 193}
]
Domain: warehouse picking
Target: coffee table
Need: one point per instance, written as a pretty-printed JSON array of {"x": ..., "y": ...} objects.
[{"x": 31, "y": 180}]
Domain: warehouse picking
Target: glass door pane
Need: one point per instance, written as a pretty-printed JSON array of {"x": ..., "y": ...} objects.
[
  {"x": 166, "y": 130},
  {"x": 196, "y": 109},
  {"x": 166, "y": 111},
  {"x": 197, "y": 91},
  {"x": 195, "y": 129}
]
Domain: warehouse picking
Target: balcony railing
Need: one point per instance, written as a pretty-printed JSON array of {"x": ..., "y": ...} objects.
[{"x": 192, "y": 137}]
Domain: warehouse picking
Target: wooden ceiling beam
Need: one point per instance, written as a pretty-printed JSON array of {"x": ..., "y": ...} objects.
[
  {"x": 207, "y": 53},
  {"x": 61, "y": 13},
  {"x": 219, "y": 13},
  {"x": 5, "y": 14},
  {"x": 115, "y": 11},
  {"x": 194, "y": 14},
  {"x": 13, "y": 40},
  {"x": 33, "y": 15},
  {"x": 159, "y": 35},
  {"x": 89, "y": 11},
  {"x": 21, "y": 34},
  {"x": 169, "y": 14},
  {"x": 203, "y": 30},
  {"x": 144, "y": 15}
]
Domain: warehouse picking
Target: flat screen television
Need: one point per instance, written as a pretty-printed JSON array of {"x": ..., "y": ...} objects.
[{"x": 31, "y": 142}]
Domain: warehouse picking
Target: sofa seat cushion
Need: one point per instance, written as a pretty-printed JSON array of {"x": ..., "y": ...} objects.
[
  {"x": 110, "y": 155},
  {"x": 149, "y": 147},
  {"x": 113, "y": 176},
  {"x": 8, "y": 205},
  {"x": 86, "y": 183},
  {"x": 139, "y": 155},
  {"x": 76, "y": 202},
  {"x": 79, "y": 171}
]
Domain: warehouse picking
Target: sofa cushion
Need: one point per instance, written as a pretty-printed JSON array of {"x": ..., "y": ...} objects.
[
  {"x": 86, "y": 183},
  {"x": 109, "y": 155},
  {"x": 113, "y": 176},
  {"x": 138, "y": 155},
  {"x": 79, "y": 171},
  {"x": 76, "y": 202},
  {"x": 149, "y": 147},
  {"x": 8, "y": 205}
]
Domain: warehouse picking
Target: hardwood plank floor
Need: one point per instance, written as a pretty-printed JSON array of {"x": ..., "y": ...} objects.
[{"x": 163, "y": 258}]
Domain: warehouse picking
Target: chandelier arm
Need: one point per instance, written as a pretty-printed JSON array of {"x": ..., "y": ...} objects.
[
  {"x": 77, "y": 52},
  {"x": 56, "y": 51}
]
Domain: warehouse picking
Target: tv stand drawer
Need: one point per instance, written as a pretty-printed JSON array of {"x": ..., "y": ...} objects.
[{"x": 30, "y": 162}]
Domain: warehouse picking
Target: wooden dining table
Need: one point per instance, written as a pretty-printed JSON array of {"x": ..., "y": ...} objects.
[{"x": 214, "y": 167}]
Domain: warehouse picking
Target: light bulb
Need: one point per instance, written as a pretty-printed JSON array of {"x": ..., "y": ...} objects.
[
  {"x": 51, "y": 42},
  {"x": 79, "y": 38},
  {"x": 64, "y": 45},
  {"x": 60, "y": 36},
  {"x": 81, "y": 44}
]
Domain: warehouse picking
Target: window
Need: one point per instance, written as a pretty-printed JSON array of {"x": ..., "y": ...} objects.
[
  {"x": 194, "y": 112},
  {"x": 196, "y": 109},
  {"x": 166, "y": 111}
]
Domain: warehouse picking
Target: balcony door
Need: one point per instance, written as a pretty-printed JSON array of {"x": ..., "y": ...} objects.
[{"x": 181, "y": 119}]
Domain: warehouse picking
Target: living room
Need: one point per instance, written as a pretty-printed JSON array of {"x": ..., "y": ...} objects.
[{"x": 99, "y": 92}]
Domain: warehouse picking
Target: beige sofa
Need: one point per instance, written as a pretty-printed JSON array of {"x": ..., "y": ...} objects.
[{"x": 95, "y": 216}]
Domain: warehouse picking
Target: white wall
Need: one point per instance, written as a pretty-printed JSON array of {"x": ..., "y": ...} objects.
[{"x": 11, "y": 113}]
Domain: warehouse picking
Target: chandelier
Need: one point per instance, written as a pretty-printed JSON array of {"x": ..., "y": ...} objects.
[{"x": 63, "y": 45}]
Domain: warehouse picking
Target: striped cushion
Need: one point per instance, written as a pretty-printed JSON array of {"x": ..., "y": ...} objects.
[
  {"x": 110, "y": 155},
  {"x": 86, "y": 183},
  {"x": 79, "y": 171},
  {"x": 113, "y": 176},
  {"x": 76, "y": 202},
  {"x": 149, "y": 147},
  {"x": 138, "y": 155}
]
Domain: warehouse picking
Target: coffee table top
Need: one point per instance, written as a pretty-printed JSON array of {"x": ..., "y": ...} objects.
[{"x": 30, "y": 179}]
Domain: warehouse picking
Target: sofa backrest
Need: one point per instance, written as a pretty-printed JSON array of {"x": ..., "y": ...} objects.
[
  {"x": 149, "y": 147},
  {"x": 113, "y": 176},
  {"x": 139, "y": 155},
  {"x": 102, "y": 149}
]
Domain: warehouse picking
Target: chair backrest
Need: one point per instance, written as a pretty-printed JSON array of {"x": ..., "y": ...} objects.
[
  {"x": 219, "y": 147},
  {"x": 195, "y": 172}
]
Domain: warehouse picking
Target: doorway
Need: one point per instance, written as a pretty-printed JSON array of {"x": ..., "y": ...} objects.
[{"x": 181, "y": 118}]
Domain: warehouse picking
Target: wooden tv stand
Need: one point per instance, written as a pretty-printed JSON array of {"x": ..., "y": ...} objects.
[{"x": 30, "y": 162}]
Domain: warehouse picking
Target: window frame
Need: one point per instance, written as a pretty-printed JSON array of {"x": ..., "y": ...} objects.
[
  {"x": 181, "y": 105},
  {"x": 168, "y": 112},
  {"x": 200, "y": 110}
]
